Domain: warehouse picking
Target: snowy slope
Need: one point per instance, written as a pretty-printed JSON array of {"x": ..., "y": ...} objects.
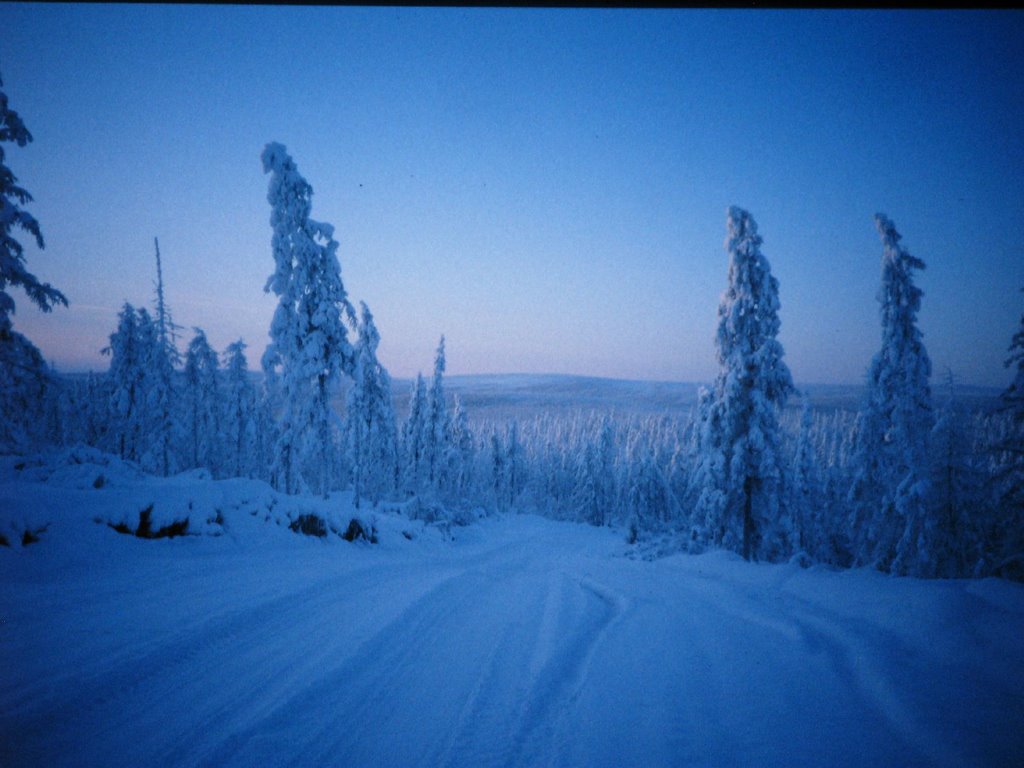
[{"x": 516, "y": 641}]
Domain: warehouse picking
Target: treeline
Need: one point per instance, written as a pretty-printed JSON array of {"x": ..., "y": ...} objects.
[{"x": 901, "y": 486}]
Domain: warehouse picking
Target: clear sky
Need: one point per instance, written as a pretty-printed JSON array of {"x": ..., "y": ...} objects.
[{"x": 546, "y": 187}]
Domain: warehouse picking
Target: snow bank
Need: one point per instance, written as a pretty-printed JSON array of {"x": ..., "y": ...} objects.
[{"x": 68, "y": 494}]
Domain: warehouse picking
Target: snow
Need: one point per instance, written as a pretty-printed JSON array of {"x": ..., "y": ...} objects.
[{"x": 513, "y": 641}]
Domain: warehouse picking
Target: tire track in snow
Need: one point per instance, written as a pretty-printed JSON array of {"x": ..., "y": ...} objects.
[
  {"x": 852, "y": 656},
  {"x": 49, "y": 717},
  {"x": 97, "y": 706},
  {"x": 541, "y": 732},
  {"x": 484, "y": 730},
  {"x": 361, "y": 686},
  {"x": 854, "y": 659}
]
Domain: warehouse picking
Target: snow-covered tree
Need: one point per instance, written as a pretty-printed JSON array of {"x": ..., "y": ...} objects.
[
  {"x": 462, "y": 450},
  {"x": 436, "y": 425},
  {"x": 890, "y": 523},
  {"x": 595, "y": 491},
  {"x": 650, "y": 503},
  {"x": 371, "y": 431},
  {"x": 24, "y": 374},
  {"x": 806, "y": 504},
  {"x": 498, "y": 471},
  {"x": 163, "y": 358},
  {"x": 127, "y": 385},
  {"x": 203, "y": 403},
  {"x": 957, "y": 498},
  {"x": 413, "y": 462},
  {"x": 742, "y": 501},
  {"x": 265, "y": 441},
  {"x": 507, "y": 471},
  {"x": 309, "y": 348},
  {"x": 1007, "y": 531},
  {"x": 514, "y": 480},
  {"x": 240, "y": 418}
]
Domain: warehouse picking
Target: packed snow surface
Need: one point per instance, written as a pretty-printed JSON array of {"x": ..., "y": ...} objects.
[{"x": 514, "y": 641}]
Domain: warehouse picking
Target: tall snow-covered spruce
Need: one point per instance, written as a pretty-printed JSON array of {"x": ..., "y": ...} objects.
[
  {"x": 740, "y": 505},
  {"x": 437, "y": 425},
  {"x": 1008, "y": 528},
  {"x": 24, "y": 375},
  {"x": 309, "y": 348},
  {"x": 164, "y": 358},
  {"x": 371, "y": 431},
  {"x": 890, "y": 523},
  {"x": 127, "y": 379},
  {"x": 203, "y": 402},
  {"x": 240, "y": 416}
]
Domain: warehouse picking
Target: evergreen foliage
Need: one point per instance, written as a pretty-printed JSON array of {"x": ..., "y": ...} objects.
[
  {"x": 309, "y": 348},
  {"x": 891, "y": 525},
  {"x": 24, "y": 375},
  {"x": 741, "y": 503}
]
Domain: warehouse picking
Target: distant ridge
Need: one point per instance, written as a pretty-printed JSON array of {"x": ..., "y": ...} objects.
[{"x": 508, "y": 394}]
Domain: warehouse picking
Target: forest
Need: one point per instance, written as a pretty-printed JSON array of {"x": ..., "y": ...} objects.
[{"x": 910, "y": 484}]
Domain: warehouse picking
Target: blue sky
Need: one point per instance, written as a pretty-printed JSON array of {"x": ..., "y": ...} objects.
[{"x": 546, "y": 187}]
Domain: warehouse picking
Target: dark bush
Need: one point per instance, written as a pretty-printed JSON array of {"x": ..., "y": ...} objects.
[
  {"x": 309, "y": 524},
  {"x": 357, "y": 530},
  {"x": 31, "y": 537},
  {"x": 144, "y": 531},
  {"x": 145, "y": 528}
]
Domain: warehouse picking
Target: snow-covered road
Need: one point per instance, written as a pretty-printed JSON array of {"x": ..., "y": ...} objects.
[{"x": 523, "y": 642}]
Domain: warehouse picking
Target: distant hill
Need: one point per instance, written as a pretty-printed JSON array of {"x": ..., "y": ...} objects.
[
  {"x": 504, "y": 396},
  {"x": 507, "y": 395}
]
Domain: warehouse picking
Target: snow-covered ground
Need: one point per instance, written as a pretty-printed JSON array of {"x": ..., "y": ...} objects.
[{"x": 513, "y": 641}]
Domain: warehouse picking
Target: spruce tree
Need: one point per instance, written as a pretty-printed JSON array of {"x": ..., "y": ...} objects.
[
  {"x": 413, "y": 438},
  {"x": 240, "y": 418},
  {"x": 437, "y": 424},
  {"x": 163, "y": 359},
  {"x": 1007, "y": 531},
  {"x": 309, "y": 348},
  {"x": 957, "y": 498},
  {"x": 462, "y": 451},
  {"x": 203, "y": 404},
  {"x": 24, "y": 375},
  {"x": 742, "y": 501},
  {"x": 891, "y": 526},
  {"x": 371, "y": 432},
  {"x": 806, "y": 502},
  {"x": 127, "y": 385}
]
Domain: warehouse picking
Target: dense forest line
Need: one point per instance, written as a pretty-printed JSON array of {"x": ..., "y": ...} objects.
[{"x": 902, "y": 485}]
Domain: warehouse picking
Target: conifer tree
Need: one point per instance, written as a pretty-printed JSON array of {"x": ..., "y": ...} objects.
[
  {"x": 240, "y": 419},
  {"x": 890, "y": 523},
  {"x": 24, "y": 375},
  {"x": 127, "y": 385},
  {"x": 650, "y": 503},
  {"x": 203, "y": 403},
  {"x": 1007, "y": 532},
  {"x": 498, "y": 471},
  {"x": 513, "y": 465},
  {"x": 807, "y": 503},
  {"x": 413, "y": 462},
  {"x": 309, "y": 347},
  {"x": 462, "y": 451},
  {"x": 163, "y": 359},
  {"x": 371, "y": 432},
  {"x": 594, "y": 492},
  {"x": 742, "y": 500},
  {"x": 957, "y": 495},
  {"x": 437, "y": 425}
]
